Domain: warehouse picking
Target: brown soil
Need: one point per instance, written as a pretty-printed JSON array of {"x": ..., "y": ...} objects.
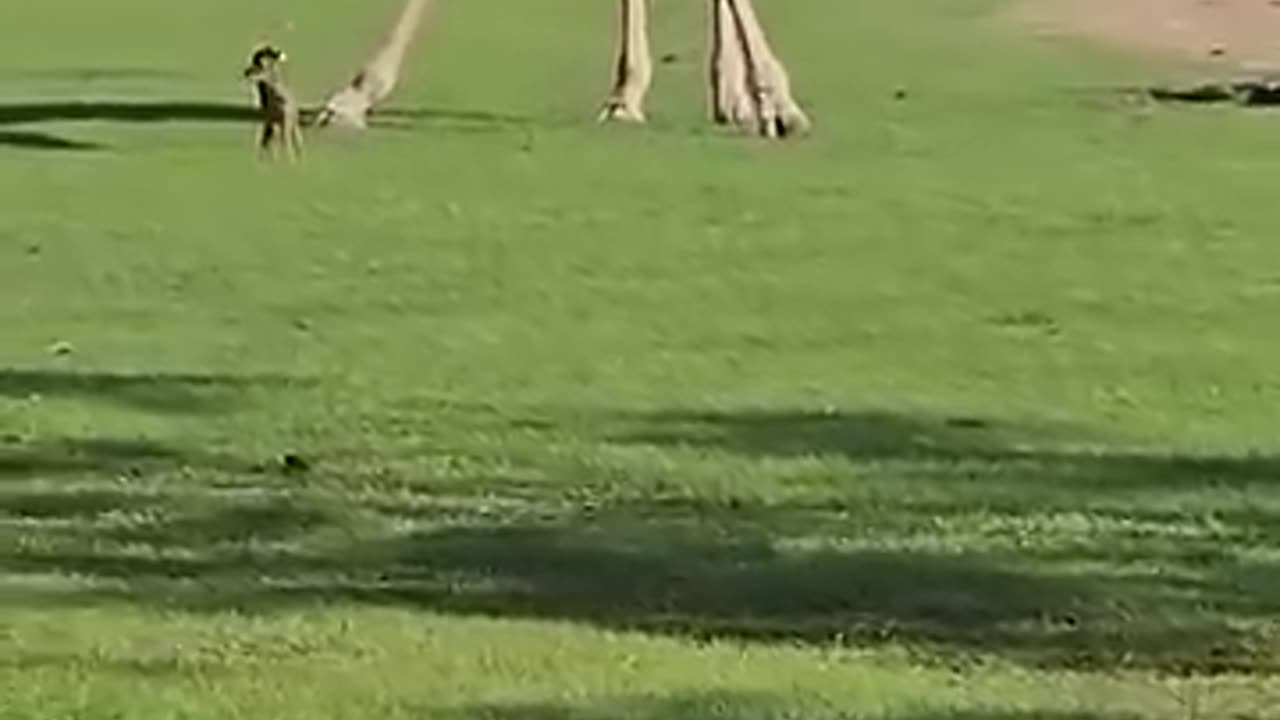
[{"x": 1240, "y": 33}]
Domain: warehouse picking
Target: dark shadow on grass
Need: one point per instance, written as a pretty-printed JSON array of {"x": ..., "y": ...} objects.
[
  {"x": 99, "y": 458},
  {"x": 943, "y": 558},
  {"x": 29, "y": 140},
  {"x": 132, "y": 111},
  {"x": 1248, "y": 93},
  {"x": 459, "y": 121},
  {"x": 868, "y": 435},
  {"x": 152, "y": 392},
  {"x": 991, "y": 452},
  {"x": 1240, "y": 92},
  {"x": 704, "y": 575},
  {"x": 731, "y": 705},
  {"x": 195, "y": 111},
  {"x": 479, "y": 117}
]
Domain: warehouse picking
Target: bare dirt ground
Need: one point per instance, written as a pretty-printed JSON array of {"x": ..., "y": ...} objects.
[{"x": 1239, "y": 33}]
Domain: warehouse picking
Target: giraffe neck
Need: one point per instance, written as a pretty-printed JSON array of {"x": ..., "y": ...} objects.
[{"x": 402, "y": 34}]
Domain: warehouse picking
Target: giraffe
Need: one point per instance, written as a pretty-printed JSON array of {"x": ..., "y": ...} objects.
[
  {"x": 371, "y": 84},
  {"x": 749, "y": 86}
]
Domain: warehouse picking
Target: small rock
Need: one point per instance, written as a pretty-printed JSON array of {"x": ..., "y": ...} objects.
[{"x": 61, "y": 348}]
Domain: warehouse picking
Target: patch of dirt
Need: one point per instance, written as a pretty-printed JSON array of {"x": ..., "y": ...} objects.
[{"x": 1241, "y": 34}]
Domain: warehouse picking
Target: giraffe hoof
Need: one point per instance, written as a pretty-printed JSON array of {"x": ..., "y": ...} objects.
[
  {"x": 781, "y": 126},
  {"x": 794, "y": 124},
  {"x": 619, "y": 112}
]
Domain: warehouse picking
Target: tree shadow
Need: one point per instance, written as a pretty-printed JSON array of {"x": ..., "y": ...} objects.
[
  {"x": 152, "y": 392},
  {"x": 734, "y": 576},
  {"x": 949, "y": 573},
  {"x": 803, "y": 433},
  {"x": 27, "y": 140},
  {"x": 697, "y": 574},
  {"x": 96, "y": 458},
  {"x": 731, "y": 705},
  {"x": 1035, "y": 459}
]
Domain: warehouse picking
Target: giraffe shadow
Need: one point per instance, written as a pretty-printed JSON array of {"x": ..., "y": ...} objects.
[
  {"x": 413, "y": 119},
  {"x": 423, "y": 114},
  {"x": 199, "y": 112},
  {"x": 124, "y": 111}
]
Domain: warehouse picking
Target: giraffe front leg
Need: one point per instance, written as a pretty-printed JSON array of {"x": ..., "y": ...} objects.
[
  {"x": 731, "y": 102},
  {"x": 634, "y": 69},
  {"x": 777, "y": 114},
  {"x": 351, "y": 104}
]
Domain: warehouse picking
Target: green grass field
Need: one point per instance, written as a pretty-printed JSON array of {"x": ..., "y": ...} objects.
[{"x": 963, "y": 408}]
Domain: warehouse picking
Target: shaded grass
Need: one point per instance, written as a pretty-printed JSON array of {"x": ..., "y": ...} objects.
[
  {"x": 745, "y": 706},
  {"x": 155, "y": 392},
  {"x": 952, "y": 543},
  {"x": 963, "y": 407}
]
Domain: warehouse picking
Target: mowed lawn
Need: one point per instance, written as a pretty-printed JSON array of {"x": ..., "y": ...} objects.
[{"x": 963, "y": 408}]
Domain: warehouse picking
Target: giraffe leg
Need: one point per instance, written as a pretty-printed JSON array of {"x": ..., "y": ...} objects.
[
  {"x": 777, "y": 113},
  {"x": 374, "y": 81},
  {"x": 634, "y": 69},
  {"x": 731, "y": 102}
]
